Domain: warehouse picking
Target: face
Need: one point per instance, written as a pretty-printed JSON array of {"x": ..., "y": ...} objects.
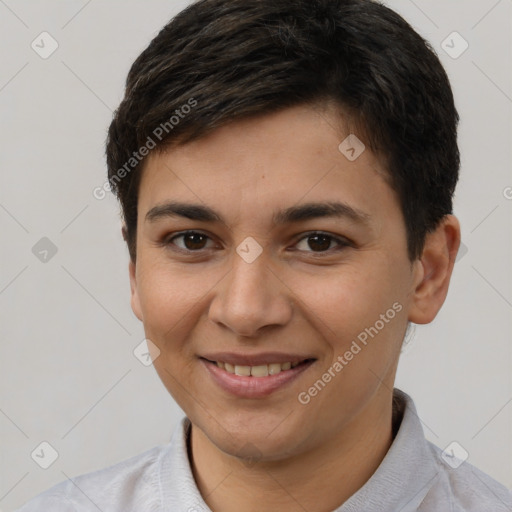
[{"x": 263, "y": 247}]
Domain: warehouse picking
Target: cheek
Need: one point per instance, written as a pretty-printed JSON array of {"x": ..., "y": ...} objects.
[
  {"x": 349, "y": 296},
  {"x": 360, "y": 316},
  {"x": 170, "y": 304},
  {"x": 168, "y": 296},
  {"x": 362, "y": 304}
]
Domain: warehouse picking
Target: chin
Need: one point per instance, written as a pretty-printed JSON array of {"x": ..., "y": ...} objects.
[{"x": 262, "y": 439}]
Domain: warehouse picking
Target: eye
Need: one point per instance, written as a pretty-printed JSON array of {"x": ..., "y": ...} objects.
[
  {"x": 191, "y": 241},
  {"x": 321, "y": 242},
  {"x": 316, "y": 242}
]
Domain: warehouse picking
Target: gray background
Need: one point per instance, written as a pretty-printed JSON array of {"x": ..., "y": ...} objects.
[{"x": 68, "y": 373}]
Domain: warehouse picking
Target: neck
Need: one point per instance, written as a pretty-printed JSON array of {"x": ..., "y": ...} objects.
[{"x": 340, "y": 467}]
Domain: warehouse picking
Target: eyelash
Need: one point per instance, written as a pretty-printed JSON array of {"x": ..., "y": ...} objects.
[{"x": 342, "y": 242}]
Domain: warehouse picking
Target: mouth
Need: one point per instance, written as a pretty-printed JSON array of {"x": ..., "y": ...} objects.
[
  {"x": 260, "y": 370},
  {"x": 256, "y": 380}
]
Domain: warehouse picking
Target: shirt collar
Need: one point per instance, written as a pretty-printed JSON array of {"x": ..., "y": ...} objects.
[
  {"x": 399, "y": 484},
  {"x": 406, "y": 473}
]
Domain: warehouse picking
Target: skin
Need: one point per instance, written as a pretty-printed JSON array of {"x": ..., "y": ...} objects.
[{"x": 298, "y": 296}]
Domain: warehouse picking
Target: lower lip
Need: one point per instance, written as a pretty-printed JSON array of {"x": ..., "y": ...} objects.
[{"x": 253, "y": 387}]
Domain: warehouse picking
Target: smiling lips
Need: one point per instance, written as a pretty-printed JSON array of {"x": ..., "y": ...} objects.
[
  {"x": 262, "y": 370},
  {"x": 248, "y": 376}
]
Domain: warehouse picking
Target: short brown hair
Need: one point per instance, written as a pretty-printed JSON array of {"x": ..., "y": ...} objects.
[{"x": 238, "y": 58}]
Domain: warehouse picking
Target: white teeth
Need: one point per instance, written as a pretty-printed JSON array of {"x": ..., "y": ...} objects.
[
  {"x": 274, "y": 368},
  {"x": 244, "y": 371},
  {"x": 261, "y": 370}
]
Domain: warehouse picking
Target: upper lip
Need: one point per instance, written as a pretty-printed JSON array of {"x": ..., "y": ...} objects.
[{"x": 262, "y": 358}]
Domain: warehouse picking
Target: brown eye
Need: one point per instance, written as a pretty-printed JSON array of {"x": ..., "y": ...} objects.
[
  {"x": 320, "y": 242},
  {"x": 190, "y": 241}
]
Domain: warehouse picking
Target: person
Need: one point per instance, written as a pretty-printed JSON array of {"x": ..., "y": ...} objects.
[{"x": 286, "y": 172}]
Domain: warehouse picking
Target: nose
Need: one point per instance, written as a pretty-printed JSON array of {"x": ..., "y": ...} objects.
[{"x": 251, "y": 297}]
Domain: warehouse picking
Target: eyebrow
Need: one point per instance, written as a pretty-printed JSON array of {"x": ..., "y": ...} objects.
[{"x": 298, "y": 213}]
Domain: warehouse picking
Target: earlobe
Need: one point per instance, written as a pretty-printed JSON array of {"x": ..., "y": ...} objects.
[
  {"x": 437, "y": 261},
  {"x": 134, "y": 298}
]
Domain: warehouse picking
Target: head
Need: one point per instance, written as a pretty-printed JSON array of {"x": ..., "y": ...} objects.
[{"x": 234, "y": 127}]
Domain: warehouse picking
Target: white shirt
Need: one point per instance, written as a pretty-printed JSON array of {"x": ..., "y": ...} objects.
[{"x": 412, "y": 477}]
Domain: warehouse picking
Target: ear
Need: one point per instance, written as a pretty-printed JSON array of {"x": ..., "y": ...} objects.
[
  {"x": 134, "y": 298},
  {"x": 134, "y": 292},
  {"x": 436, "y": 262}
]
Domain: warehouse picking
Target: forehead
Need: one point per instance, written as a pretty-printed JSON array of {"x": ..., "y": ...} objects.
[{"x": 268, "y": 163}]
